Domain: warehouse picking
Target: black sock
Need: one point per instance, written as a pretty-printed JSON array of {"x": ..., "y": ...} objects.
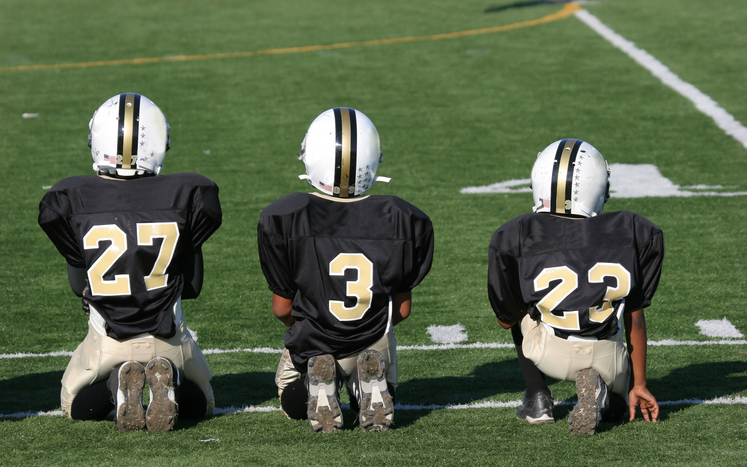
[
  {"x": 617, "y": 408},
  {"x": 533, "y": 377}
]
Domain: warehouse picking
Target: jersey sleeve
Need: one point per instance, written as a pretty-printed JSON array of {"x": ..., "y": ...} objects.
[
  {"x": 206, "y": 214},
  {"x": 54, "y": 211},
  {"x": 650, "y": 260},
  {"x": 504, "y": 289},
  {"x": 274, "y": 258},
  {"x": 421, "y": 257}
]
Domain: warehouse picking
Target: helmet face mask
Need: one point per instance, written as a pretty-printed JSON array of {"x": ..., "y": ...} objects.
[
  {"x": 570, "y": 177},
  {"x": 129, "y": 136},
  {"x": 341, "y": 152}
]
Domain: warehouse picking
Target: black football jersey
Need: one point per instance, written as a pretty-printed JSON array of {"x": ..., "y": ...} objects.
[
  {"x": 574, "y": 274},
  {"x": 340, "y": 262},
  {"x": 132, "y": 237}
]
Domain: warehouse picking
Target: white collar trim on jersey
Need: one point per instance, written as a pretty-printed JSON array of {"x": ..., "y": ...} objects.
[{"x": 339, "y": 200}]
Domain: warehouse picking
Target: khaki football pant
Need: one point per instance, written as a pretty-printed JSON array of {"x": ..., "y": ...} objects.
[
  {"x": 562, "y": 359},
  {"x": 98, "y": 355},
  {"x": 346, "y": 367}
]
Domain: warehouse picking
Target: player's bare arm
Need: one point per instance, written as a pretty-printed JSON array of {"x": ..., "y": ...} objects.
[
  {"x": 506, "y": 325},
  {"x": 639, "y": 395},
  {"x": 281, "y": 308},
  {"x": 401, "y": 306}
]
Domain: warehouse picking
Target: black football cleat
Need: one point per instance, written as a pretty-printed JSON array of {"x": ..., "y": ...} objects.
[{"x": 536, "y": 409}]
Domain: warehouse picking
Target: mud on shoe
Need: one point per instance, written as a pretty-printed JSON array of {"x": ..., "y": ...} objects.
[
  {"x": 162, "y": 377},
  {"x": 593, "y": 400},
  {"x": 376, "y": 404},
  {"x": 536, "y": 408},
  {"x": 130, "y": 415},
  {"x": 323, "y": 407}
]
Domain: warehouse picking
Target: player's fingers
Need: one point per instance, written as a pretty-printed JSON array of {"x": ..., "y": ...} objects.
[{"x": 655, "y": 413}]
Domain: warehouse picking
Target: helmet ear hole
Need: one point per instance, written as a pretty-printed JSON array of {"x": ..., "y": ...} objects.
[{"x": 607, "y": 192}]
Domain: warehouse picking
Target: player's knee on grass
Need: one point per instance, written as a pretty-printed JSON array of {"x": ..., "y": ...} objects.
[
  {"x": 93, "y": 402},
  {"x": 293, "y": 400},
  {"x": 192, "y": 401}
]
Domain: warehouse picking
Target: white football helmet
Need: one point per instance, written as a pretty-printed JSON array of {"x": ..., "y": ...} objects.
[
  {"x": 570, "y": 177},
  {"x": 129, "y": 136},
  {"x": 341, "y": 151}
]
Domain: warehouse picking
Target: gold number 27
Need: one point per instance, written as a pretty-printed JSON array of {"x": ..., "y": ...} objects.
[{"x": 146, "y": 233}]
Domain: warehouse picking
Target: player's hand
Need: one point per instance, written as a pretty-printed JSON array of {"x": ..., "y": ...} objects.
[
  {"x": 643, "y": 399},
  {"x": 86, "y": 308}
]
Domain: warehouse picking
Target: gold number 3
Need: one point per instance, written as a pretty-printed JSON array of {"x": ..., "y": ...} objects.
[
  {"x": 360, "y": 288},
  {"x": 146, "y": 233},
  {"x": 569, "y": 282}
]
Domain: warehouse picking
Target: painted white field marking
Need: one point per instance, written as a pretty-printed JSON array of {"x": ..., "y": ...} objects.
[
  {"x": 29, "y": 414},
  {"x": 59, "y": 353},
  {"x": 645, "y": 180},
  {"x": 737, "y": 400},
  {"x": 240, "y": 350},
  {"x": 447, "y": 334},
  {"x": 626, "y": 181},
  {"x": 718, "y": 328},
  {"x": 400, "y": 348},
  {"x": 702, "y": 102},
  {"x": 673, "y": 343}
]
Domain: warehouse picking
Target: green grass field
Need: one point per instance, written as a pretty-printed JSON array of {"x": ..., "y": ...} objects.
[{"x": 240, "y": 82}]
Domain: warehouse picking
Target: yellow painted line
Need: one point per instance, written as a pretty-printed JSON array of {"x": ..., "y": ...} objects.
[{"x": 568, "y": 10}]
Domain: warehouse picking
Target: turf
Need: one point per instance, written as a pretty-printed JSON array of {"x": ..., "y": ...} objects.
[{"x": 457, "y": 111}]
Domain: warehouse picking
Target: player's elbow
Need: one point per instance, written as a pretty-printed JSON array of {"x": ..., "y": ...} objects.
[
  {"x": 506, "y": 325},
  {"x": 401, "y": 306}
]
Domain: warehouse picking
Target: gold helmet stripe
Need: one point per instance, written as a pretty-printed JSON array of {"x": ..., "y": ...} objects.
[
  {"x": 562, "y": 176},
  {"x": 346, "y": 133},
  {"x": 129, "y": 113}
]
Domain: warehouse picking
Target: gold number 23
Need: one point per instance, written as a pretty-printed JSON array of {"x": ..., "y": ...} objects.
[
  {"x": 146, "y": 233},
  {"x": 569, "y": 282}
]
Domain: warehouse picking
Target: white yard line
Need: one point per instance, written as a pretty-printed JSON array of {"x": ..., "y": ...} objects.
[
  {"x": 405, "y": 348},
  {"x": 737, "y": 400},
  {"x": 401, "y": 348},
  {"x": 702, "y": 102}
]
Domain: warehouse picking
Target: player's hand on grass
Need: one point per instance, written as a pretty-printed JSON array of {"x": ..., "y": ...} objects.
[{"x": 643, "y": 399}]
